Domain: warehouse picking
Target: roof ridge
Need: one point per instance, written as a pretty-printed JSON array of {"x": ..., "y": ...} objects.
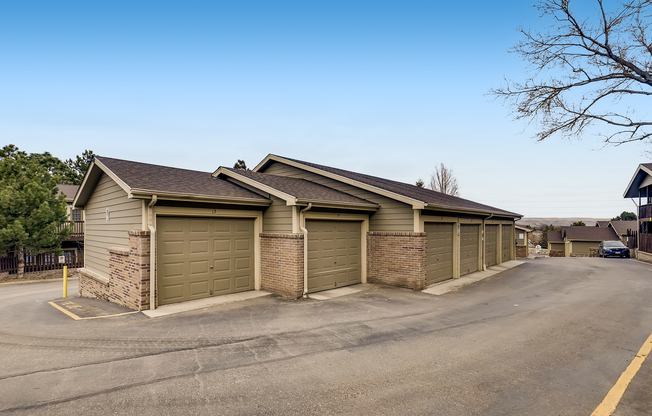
[{"x": 152, "y": 164}]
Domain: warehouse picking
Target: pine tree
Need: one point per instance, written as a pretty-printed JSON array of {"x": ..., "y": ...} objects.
[{"x": 32, "y": 218}]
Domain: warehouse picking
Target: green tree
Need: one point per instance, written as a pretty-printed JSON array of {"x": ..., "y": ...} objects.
[
  {"x": 240, "y": 164},
  {"x": 625, "y": 216},
  {"x": 420, "y": 183},
  {"x": 544, "y": 234},
  {"x": 578, "y": 224},
  {"x": 32, "y": 218},
  {"x": 76, "y": 169}
]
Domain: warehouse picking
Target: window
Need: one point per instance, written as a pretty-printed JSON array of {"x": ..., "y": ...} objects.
[{"x": 76, "y": 215}]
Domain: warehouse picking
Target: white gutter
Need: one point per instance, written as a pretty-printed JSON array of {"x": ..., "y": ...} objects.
[
  {"x": 305, "y": 249},
  {"x": 152, "y": 253}
]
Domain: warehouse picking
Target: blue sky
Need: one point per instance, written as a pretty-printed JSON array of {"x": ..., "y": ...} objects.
[{"x": 386, "y": 88}]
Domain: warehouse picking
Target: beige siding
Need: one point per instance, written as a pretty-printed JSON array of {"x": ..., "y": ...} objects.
[
  {"x": 582, "y": 247},
  {"x": 278, "y": 217},
  {"x": 392, "y": 216},
  {"x": 125, "y": 215},
  {"x": 521, "y": 241}
]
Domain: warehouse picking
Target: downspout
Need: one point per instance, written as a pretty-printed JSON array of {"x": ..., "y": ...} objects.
[
  {"x": 484, "y": 242},
  {"x": 305, "y": 249},
  {"x": 152, "y": 253}
]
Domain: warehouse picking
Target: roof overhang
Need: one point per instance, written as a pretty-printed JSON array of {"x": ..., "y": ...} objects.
[
  {"x": 430, "y": 207},
  {"x": 97, "y": 168},
  {"x": 416, "y": 204},
  {"x": 632, "y": 190}
]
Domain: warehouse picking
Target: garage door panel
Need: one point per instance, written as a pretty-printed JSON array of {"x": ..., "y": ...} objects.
[
  {"x": 210, "y": 257},
  {"x": 199, "y": 226},
  {"x": 198, "y": 288},
  {"x": 198, "y": 267},
  {"x": 172, "y": 247},
  {"x": 171, "y": 270},
  {"x": 221, "y": 246},
  {"x": 243, "y": 244},
  {"x": 334, "y": 254},
  {"x": 439, "y": 251}
]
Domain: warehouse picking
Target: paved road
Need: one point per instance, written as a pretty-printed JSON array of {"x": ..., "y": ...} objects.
[{"x": 550, "y": 337}]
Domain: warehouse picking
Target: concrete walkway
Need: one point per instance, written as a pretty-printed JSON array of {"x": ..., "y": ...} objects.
[
  {"x": 203, "y": 303},
  {"x": 455, "y": 284}
]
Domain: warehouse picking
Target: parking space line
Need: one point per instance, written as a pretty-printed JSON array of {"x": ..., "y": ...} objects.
[
  {"x": 611, "y": 400},
  {"x": 77, "y": 318}
]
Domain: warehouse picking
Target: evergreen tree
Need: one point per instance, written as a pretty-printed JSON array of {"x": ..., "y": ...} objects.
[
  {"x": 32, "y": 218},
  {"x": 76, "y": 169}
]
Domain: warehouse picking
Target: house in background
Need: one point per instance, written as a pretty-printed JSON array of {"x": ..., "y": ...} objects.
[
  {"x": 639, "y": 190},
  {"x": 626, "y": 230},
  {"x": 577, "y": 241},
  {"x": 289, "y": 227},
  {"x": 75, "y": 242}
]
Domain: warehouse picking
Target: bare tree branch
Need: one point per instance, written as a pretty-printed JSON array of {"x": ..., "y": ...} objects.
[
  {"x": 581, "y": 67},
  {"x": 442, "y": 180}
]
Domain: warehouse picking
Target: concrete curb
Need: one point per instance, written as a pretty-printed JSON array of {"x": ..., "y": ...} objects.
[{"x": 30, "y": 282}]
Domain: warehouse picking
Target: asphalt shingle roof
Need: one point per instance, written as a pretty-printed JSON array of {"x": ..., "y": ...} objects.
[
  {"x": 411, "y": 191},
  {"x": 301, "y": 188},
  {"x": 68, "y": 190},
  {"x": 621, "y": 227},
  {"x": 164, "y": 179},
  {"x": 589, "y": 233},
  {"x": 555, "y": 237},
  {"x": 603, "y": 224}
]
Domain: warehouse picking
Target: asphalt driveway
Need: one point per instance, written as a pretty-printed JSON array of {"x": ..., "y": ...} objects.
[{"x": 549, "y": 337}]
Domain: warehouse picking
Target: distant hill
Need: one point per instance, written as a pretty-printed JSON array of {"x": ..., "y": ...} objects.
[{"x": 557, "y": 222}]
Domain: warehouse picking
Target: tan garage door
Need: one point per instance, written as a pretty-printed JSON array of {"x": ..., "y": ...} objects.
[
  {"x": 333, "y": 254},
  {"x": 491, "y": 245},
  {"x": 440, "y": 251},
  {"x": 469, "y": 240},
  {"x": 507, "y": 242},
  {"x": 202, "y": 257}
]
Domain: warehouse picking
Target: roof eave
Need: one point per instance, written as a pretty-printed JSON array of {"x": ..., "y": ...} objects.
[
  {"x": 179, "y": 196},
  {"x": 338, "y": 204},
  {"x": 472, "y": 211}
]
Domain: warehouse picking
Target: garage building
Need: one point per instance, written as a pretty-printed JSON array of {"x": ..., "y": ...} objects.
[{"x": 236, "y": 230}]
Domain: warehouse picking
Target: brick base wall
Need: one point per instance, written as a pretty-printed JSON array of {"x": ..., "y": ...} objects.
[
  {"x": 521, "y": 251},
  {"x": 397, "y": 259},
  {"x": 128, "y": 283},
  {"x": 281, "y": 257},
  {"x": 557, "y": 253}
]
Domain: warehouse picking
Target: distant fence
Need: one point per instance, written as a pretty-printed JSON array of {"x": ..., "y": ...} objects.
[
  {"x": 631, "y": 239},
  {"x": 41, "y": 262}
]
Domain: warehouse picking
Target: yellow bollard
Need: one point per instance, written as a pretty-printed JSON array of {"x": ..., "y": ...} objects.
[{"x": 65, "y": 281}]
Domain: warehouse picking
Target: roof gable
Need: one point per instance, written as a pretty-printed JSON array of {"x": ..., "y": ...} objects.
[
  {"x": 144, "y": 179},
  {"x": 643, "y": 171},
  {"x": 294, "y": 190},
  {"x": 419, "y": 198}
]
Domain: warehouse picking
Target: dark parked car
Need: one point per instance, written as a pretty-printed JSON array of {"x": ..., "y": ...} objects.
[{"x": 613, "y": 248}]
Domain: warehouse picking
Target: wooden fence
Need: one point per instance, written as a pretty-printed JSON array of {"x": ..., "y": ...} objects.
[
  {"x": 42, "y": 262},
  {"x": 645, "y": 242}
]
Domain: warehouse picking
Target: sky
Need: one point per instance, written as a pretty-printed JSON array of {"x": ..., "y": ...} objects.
[{"x": 387, "y": 88}]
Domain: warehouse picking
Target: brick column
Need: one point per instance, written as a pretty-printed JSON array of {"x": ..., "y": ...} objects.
[
  {"x": 397, "y": 259},
  {"x": 128, "y": 282},
  {"x": 281, "y": 258},
  {"x": 521, "y": 251}
]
